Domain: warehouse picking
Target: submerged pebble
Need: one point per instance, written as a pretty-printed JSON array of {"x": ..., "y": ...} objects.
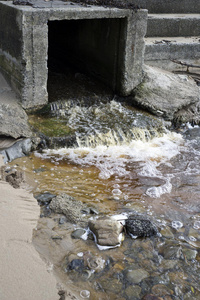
[
  {"x": 136, "y": 276},
  {"x": 78, "y": 233},
  {"x": 85, "y": 294}
]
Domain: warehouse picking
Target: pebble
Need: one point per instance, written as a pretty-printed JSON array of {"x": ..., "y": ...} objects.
[
  {"x": 194, "y": 233},
  {"x": 113, "y": 285},
  {"x": 151, "y": 297},
  {"x": 45, "y": 198},
  {"x": 78, "y": 233},
  {"x": 172, "y": 251},
  {"x": 161, "y": 290},
  {"x": 133, "y": 290},
  {"x": 190, "y": 254},
  {"x": 136, "y": 276},
  {"x": 62, "y": 220},
  {"x": 167, "y": 233},
  {"x": 168, "y": 264},
  {"x": 56, "y": 237}
]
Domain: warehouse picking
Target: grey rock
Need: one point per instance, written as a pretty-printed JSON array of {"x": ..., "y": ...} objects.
[
  {"x": 106, "y": 230},
  {"x": 68, "y": 206},
  {"x": 45, "y": 212},
  {"x": 164, "y": 93},
  {"x": 19, "y": 149},
  {"x": 78, "y": 233},
  {"x": 190, "y": 254},
  {"x": 45, "y": 198},
  {"x": 62, "y": 220},
  {"x": 140, "y": 226},
  {"x": 168, "y": 264},
  {"x": 13, "y": 119},
  {"x": 172, "y": 251},
  {"x": 76, "y": 264},
  {"x": 190, "y": 113}
]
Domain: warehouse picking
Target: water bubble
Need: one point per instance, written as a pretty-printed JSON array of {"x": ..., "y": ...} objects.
[
  {"x": 196, "y": 225},
  {"x": 177, "y": 224},
  {"x": 116, "y": 192},
  {"x": 116, "y": 185},
  {"x": 126, "y": 185},
  {"x": 192, "y": 238},
  {"x": 149, "y": 213},
  {"x": 85, "y": 294}
]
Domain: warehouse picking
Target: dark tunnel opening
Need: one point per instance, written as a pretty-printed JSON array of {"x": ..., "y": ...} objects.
[{"x": 94, "y": 47}]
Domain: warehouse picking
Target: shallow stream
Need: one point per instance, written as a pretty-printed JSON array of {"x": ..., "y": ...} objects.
[{"x": 123, "y": 161}]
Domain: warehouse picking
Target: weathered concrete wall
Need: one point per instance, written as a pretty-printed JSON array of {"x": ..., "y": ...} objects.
[
  {"x": 169, "y": 6},
  {"x": 173, "y": 25},
  {"x": 108, "y": 42},
  {"x": 11, "y": 45}
]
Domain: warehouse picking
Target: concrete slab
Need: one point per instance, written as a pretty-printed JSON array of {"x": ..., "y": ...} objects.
[
  {"x": 160, "y": 52},
  {"x": 169, "y": 6},
  {"x": 172, "y": 25},
  {"x": 105, "y": 42}
]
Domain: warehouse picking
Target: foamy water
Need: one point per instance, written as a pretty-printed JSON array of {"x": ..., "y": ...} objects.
[{"x": 118, "y": 160}]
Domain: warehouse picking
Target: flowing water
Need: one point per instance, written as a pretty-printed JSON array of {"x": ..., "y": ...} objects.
[{"x": 123, "y": 160}]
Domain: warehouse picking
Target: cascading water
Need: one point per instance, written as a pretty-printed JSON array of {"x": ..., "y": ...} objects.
[{"x": 123, "y": 160}]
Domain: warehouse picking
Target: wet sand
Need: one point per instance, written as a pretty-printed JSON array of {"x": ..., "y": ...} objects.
[{"x": 23, "y": 274}]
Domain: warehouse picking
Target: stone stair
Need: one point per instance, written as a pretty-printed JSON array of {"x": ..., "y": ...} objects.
[{"x": 173, "y": 32}]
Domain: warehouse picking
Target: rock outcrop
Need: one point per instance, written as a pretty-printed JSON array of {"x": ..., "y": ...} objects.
[
  {"x": 13, "y": 119},
  {"x": 164, "y": 93}
]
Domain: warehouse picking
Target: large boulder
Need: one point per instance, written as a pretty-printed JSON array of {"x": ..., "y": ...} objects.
[
  {"x": 13, "y": 119},
  {"x": 107, "y": 231},
  {"x": 164, "y": 93},
  {"x": 21, "y": 148}
]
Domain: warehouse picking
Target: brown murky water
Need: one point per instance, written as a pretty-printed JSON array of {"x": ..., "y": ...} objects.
[{"x": 159, "y": 178}]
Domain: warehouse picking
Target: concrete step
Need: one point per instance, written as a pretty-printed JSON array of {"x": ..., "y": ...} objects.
[
  {"x": 169, "y": 6},
  {"x": 173, "y": 25},
  {"x": 160, "y": 51}
]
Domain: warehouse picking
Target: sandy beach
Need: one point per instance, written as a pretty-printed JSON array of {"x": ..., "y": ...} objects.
[{"x": 23, "y": 274}]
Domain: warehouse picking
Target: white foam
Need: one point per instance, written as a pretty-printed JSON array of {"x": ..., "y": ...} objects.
[
  {"x": 113, "y": 160},
  {"x": 177, "y": 224},
  {"x": 196, "y": 225},
  {"x": 157, "y": 191}
]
